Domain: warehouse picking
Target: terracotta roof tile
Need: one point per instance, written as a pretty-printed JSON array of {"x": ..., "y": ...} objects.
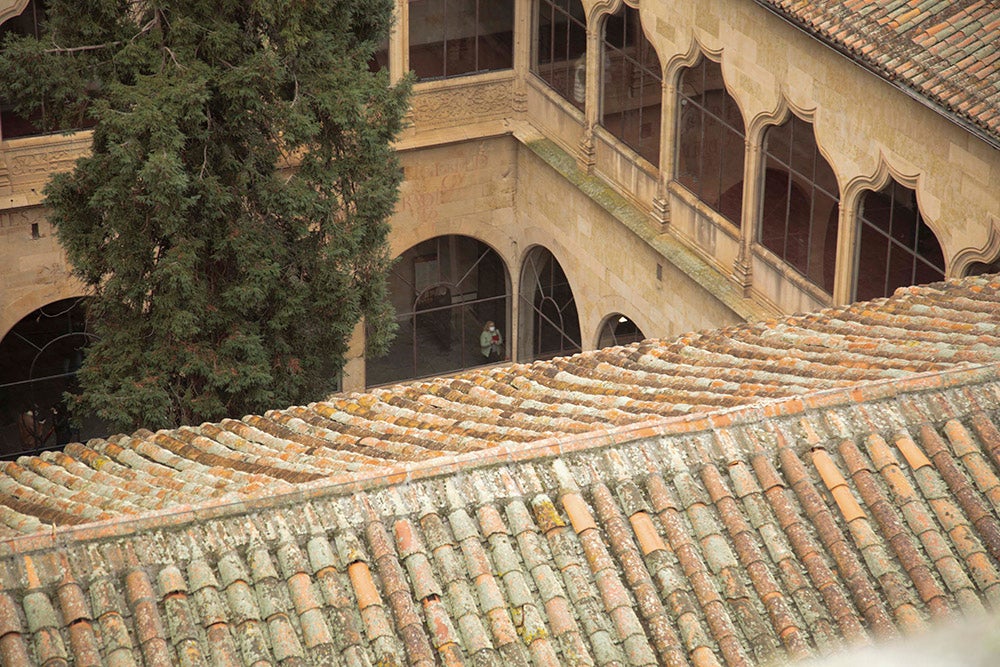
[{"x": 825, "y": 479}]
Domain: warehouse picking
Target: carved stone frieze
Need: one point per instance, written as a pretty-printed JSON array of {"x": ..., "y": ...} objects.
[
  {"x": 456, "y": 106},
  {"x": 31, "y": 161}
]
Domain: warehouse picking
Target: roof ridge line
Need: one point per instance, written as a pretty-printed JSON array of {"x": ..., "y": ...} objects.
[{"x": 509, "y": 453}]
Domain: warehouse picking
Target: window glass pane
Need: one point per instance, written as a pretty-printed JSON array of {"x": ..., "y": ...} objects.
[
  {"x": 914, "y": 254},
  {"x": 444, "y": 290},
  {"x": 981, "y": 268},
  {"x": 900, "y": 270},
  {"x": 549, "y": 325},
  {"x": 778, "y": 145},
  {"x": 873, "y": 254},
  {"x": 428, "y": 19},
  {"x": 495, "y": 35},
  {"x": 806, "y": 213},
  {"x": 803, "y": 149},
  {"x": 619, "y": 330},
  {"x": 691, "y": 127},
  {"x": 560, "y": 48},
  {"x": 929, "y": 249},
  {"x": 631, "y": 89},
  {"x": 546, "y": 44},
  {"x": 456, "y": 37},
  {"x": 710, "y": 141}
]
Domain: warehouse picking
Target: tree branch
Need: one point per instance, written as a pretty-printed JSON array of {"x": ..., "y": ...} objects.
[{"x": 78, "y": 49}]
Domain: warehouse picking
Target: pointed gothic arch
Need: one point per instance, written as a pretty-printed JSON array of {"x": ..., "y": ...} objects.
[
  {"x": 711, "y": 139},
  {"x": 800, "y": 201},
  {"x": 631, "y": 103},
  {"x": 896, "y": 247}
]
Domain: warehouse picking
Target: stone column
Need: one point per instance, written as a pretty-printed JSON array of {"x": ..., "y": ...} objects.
[
  {"x": 752, "y": 192},
  {"x": 592, "y": 99},
  {"x": 522, "y": 54},
  {"x": 668, "y": 137},
  {"x": 353, "y": 375},
  {"x": 399, "y": 50},
  {"x": 847, "y": 234}
]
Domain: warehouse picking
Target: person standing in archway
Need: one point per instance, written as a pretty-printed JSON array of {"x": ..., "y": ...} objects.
[
  {"x": 33, "y": 430},
  {"x": 491, "y": 343}
]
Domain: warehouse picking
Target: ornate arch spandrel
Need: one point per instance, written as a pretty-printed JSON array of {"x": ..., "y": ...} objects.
[
  {"x": 11, "y": 8},
  {"x": 689, "y": 58},
  {"x": 988, "y": 253},
  {"x": 855, "y": 188},
  {"x": 853, "y": 192}
]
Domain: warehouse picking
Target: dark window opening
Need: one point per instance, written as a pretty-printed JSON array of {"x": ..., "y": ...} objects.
[
  {"x": 619, "y": 330},
  {"x": 455, "y": 37},
  {"x": 550, "y": 326},
  {"x": 39, "y": 359},
  {"x": 710, "y": 140},
  {"x": 983, "y": 268},
  {"x": 896, "y": 248},
  {"x": 444, "y": 291},
  {"x": 380, "y": 59},
  {"x": 801, "y": 204},
  {"x": 632, "y": 85},
  {"x": 561, "y": 48}
]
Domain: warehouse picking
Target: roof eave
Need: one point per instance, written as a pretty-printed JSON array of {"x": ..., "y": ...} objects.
[{"x": 957, "y": 119}]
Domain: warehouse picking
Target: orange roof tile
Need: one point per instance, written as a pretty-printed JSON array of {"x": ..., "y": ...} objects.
[{"x": 745, "y": 511}]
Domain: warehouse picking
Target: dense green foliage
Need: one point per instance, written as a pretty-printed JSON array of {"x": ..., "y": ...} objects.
[{"x": 225, "y": 282}]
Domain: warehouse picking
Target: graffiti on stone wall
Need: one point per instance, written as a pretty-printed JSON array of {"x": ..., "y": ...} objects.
[{"x": 426, "y": 184}]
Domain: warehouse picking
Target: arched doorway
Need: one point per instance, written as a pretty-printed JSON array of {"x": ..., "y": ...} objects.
[
  {"x": 550, "y": 326},
  {"x": 39, "y": 358},
  {"x": 618, "y": 330},
  {"x": 444, "y": 291}
]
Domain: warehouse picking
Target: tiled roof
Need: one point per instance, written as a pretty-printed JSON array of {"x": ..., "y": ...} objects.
[
  {"x": 737, "y": 497},
  {"x": 947, "y": 51},
  {"x": 917, "y": 330}
]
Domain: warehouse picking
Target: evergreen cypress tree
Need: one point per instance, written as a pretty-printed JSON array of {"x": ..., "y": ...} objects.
[{"x": 231, "y": 218}]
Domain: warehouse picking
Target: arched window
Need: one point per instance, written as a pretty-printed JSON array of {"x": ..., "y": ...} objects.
[
  {"x": 561, "y": 48},
  {"x": 618, "y": 330},
  {"x": 632, "y": 90},
  {"x": 39, "y": 358},
  {"x": 710, "y": 140},
  {"x": 549, "y": 325},
  {"x": 895, "y": 246},
  {"x": 456, "y": 37},
  {"x": 801, "y": 202},
  {"x": 444, "y": 291}
]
